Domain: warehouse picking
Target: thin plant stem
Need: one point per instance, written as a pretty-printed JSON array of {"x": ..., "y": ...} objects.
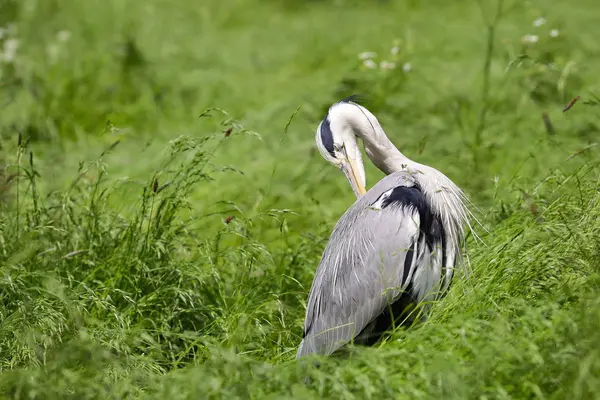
[
  {"x": 153, "y": 192},
  {"x": 19, "y": 154},
  {"x": 487, "y": 67}
]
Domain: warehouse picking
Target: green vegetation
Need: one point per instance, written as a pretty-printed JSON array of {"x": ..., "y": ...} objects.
[{"x": 132, "y": 131}]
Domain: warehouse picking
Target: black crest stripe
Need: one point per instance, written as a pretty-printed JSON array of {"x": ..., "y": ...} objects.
[
  {"x": 327, "y": 136},
  {"x": 355, "y": 98}
]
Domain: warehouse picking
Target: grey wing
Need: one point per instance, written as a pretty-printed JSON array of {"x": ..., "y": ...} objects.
[{"x": 366, "y": 265}]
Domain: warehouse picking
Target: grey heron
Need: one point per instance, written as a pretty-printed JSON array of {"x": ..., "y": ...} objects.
[{"x": 396, "y": 246}]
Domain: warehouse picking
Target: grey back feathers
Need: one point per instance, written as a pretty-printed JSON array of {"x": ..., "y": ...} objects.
[{"x": 390, "y": 248}]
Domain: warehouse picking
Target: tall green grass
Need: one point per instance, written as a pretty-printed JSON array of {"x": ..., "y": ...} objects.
[{"x": 105, "y": 298}]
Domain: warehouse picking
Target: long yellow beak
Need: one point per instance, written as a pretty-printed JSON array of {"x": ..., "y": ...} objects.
[{"x": 349, "y": 169}]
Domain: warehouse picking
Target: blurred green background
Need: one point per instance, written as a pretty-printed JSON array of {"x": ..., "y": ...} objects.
[{"x": 96, "y": 91}]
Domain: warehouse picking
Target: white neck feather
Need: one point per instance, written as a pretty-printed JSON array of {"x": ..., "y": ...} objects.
[{"x": 378, "y": 146}]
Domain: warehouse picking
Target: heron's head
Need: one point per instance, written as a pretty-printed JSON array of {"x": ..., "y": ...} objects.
[{"x": 337, "y": 143}]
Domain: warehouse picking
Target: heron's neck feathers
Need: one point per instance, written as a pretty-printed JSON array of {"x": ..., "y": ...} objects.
[{"x": 360, "y": 122}]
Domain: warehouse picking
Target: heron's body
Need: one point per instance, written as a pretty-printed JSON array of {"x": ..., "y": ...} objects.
[{"x": 396, "y": 246}]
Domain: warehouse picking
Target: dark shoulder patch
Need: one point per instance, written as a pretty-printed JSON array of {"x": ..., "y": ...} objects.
[
  {"x": 327, "y": 136},
  {"x": 407, "y": 196},
  {"x": 413, "y": 197}
]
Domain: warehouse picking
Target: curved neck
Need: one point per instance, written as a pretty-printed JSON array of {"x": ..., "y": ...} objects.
[{"x": 378, "y": 146}]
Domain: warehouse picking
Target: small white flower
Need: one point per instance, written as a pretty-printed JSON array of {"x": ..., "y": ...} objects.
[
  {"x": 539, "y": 22},
  {"x": 10, "y": 50},
  {"x": 11, "y": 29},
  {"x": 367, "y": 55},
  {"x": 407, "y": 67},
  {"x": 369, "y": 64},
  {"x": 52, "y": 51},
  {"x": 530, "y": 39},
  {"x": 387, "y": 65},
  {"x": 63, "y": 36},
  {"x": 11, "y": 45},
  {"x": 554, "y": 33},
  {"x": 394, "y": 50}
]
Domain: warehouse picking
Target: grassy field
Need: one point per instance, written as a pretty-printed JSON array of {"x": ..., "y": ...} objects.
[{"x": 131, "y": 132}]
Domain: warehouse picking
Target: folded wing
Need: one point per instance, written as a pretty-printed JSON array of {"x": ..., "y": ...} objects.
[{"x": 382, "y": 247}]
